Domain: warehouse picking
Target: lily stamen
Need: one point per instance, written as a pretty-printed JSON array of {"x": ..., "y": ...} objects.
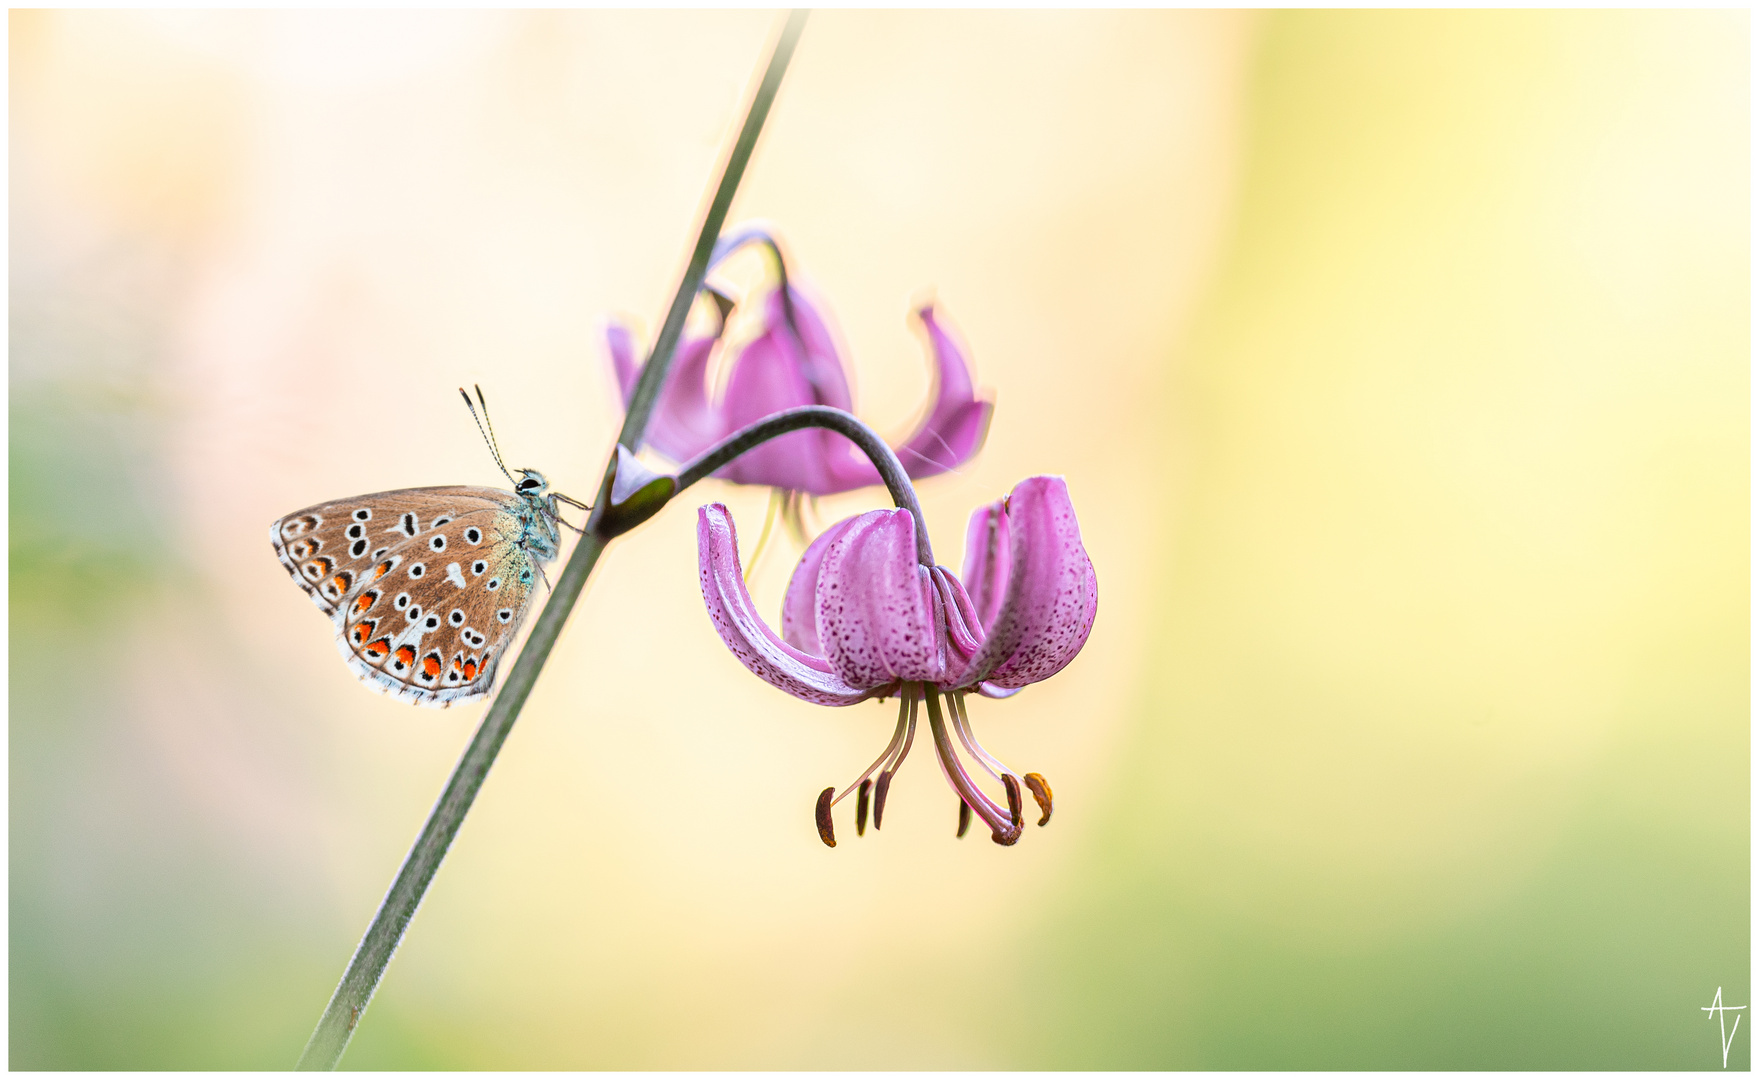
[
  {"x": 890, "y": 758},
  {"x": 1041, "y": 794},
  {"x": 1004, "y": 827},
  {"x": 1035, "y": 783},
  {"x": 962, "y": 725},
  {"x": 884, "y": 783},
  {"x": 906, "y": 727}
]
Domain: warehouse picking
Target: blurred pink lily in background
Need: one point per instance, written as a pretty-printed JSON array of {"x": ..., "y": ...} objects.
[
  {"x": 863, "y": 618},
  {"x": 795, "y": 361}
]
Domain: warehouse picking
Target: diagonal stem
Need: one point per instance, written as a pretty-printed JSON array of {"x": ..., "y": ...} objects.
[
  {"x": 382, "y": 937},
  {"x": 653, "y": 373}
]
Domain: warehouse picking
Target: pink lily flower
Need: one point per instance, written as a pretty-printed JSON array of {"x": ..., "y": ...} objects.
[
  {"x": 863, "y": 618},
  {"x": 795, "y": 361}
]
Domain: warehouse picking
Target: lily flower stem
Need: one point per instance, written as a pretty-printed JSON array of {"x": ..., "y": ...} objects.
[
  {"x": 822, "y": 416},
  {"x": 330, "y": 1039}
]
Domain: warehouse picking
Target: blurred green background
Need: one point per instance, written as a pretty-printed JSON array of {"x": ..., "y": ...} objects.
[{"x": 1399, "y": 366}]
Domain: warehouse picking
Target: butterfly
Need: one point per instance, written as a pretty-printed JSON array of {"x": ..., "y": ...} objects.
[{"x": 427, "y": 586}]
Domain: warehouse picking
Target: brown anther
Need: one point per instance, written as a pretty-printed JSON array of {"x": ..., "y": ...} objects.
[
  {"x": 964, "y": 818},
  {"x": 1014, "y": 800},
  {"x": 861, "y": 808},
  {"x": 1041, "y": 794},
  {"x": 823, "y": 815},
  {"x": 879, "y": 796}
]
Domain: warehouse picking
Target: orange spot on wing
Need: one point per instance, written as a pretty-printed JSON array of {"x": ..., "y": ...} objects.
[
  {"x": 406, "y": 655},
  {"x": 382, "y": 569},
  {"x": 362, "y": 631},
  {"x": 377, "y": 650},
  {"x": 366, "y": 601},
  {"x": 431, "y": 665},
  {"x": 469, "y": 669}
]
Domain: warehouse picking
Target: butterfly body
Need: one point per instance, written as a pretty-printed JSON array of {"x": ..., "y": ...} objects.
[{"x": 426, "y": 587}]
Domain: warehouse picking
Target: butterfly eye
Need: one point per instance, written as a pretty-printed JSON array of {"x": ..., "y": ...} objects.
[
  {"x": 473, "y": 535},
  {"x": 456, "y": 618},
  {"x": 528, "y": 484}
]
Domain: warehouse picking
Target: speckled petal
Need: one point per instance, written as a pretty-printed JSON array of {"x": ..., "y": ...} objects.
[
  {"x": 800, "y": 602},
  {"x": 1052, "y": 595},
  {"x": 768, "y": 657},
  {"x": 988, "y": 560},
  {"x": 877, "y": 611}
]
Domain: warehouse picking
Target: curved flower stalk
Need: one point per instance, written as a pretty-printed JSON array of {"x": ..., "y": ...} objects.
[
  {"x": 795, "y": 361},
  {"x": 865, "y": 617}
]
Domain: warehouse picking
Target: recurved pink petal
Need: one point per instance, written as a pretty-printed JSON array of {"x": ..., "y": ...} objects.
[
  {"x": 1052, "y": 595},
  {"x": 988, "y": 560},
  {"x": 745, "y": 633},
  {"x": 621, "y": 345},
  {"x": 779, "y": 370},
  {"x": 957, "y": 421},
  {"x": 684, "y": 421},
  {"x": 877, "y": 616},
  {"x": 820, "y": 359},
  {"x": 800, "y": 602},
  {"x": 964, "y": 634}
]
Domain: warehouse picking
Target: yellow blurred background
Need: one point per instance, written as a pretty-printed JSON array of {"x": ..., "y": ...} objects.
[{"x": 1397, "y": 363}]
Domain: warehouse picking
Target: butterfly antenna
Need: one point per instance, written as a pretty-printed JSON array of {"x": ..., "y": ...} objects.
[{"x": 485, "y": 426}]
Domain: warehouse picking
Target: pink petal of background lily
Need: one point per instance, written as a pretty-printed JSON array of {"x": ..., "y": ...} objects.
[{"x": 795, "y": 361}]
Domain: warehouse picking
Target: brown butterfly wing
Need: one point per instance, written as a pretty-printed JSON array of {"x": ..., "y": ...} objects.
[{"x": 426, "y": 586}]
